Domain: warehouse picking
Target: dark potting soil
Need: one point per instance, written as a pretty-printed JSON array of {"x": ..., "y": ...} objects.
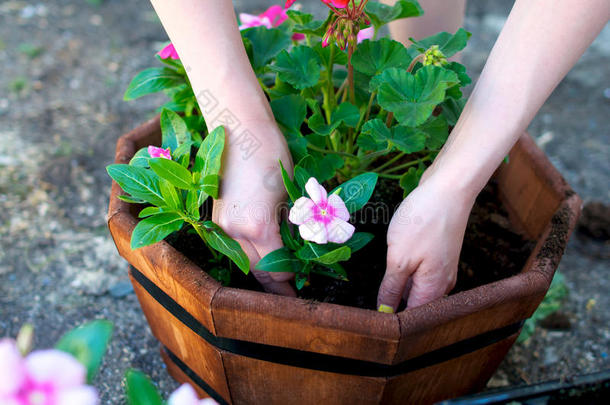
[{"x": 492, "y": 250}]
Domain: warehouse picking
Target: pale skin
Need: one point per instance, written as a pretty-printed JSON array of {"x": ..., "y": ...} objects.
[{"x": 425, "y": 235}]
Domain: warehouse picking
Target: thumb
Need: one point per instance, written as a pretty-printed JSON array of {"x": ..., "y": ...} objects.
[
  {"x": 392, "y": 286},
  {"x": 268, "y": 245}
]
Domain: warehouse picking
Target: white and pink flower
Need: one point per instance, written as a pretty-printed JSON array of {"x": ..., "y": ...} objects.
[
  {"x": 186, "y": 395},
  {"x": 156, "y": 152},
  {"x": 321, "y": 218},
  {"x": 44, "y": 377}
]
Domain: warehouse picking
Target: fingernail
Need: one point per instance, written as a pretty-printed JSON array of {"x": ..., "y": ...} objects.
[{"x": 385, "y": 309}]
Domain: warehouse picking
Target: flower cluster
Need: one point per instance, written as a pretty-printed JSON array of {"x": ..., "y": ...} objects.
[{"x": 345, "y": 26}]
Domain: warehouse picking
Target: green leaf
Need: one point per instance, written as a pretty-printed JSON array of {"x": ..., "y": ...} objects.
[
  {"x": 170, "y": 195},
  {"x": 452, "y": 109},
  {"x": 407, "y": 140},
  {"x": 266, "y": 44},
  {"x": 140, "y": 159},
  {"x": 153, "y": 80},
  {"x": 182, "y": 154},
  {"x": 436, "y": 130},
  {"x": 291, "y": 188},
  {"x": 209, "y": 155},
  {"x": 148, "y": 211},
  {"x": 376, "y": 136},
  {"x": 220, "y": 241},
  {"x": 290, "y": 111},
  {"x": 324, "y": 254},
  {"x": 301, "y": 175},
  {"x": 315, "y": 27},
  {"x": 87, "y": 343},
  {"x": 140, "y": 390},
  {"x": 130, "y": 199},
  {"x": 357, "y": 191},
  {"x": 287, "y": 237},
  {"x": 339, "y": 57},
  {"x": 173, "y": 129},
  {"x": 336, "y": 271},
  {"x": 373, "y": 57},
  {"x": 140, "y": 183},
  {"x": 210, "y": 184},
  {"x": 413, "y": 98},
  {"x": 346, "y": 113},
  {"x": 221, "y": 274},
  {"x": 449, "y": 44},
  {"x": 173, "y": 172},
  {"x": 359, "y": 240},
  {"x": 326, "y": 167},
  {"x": 298, "y": 17},
  {"x": 193, "y": 202},
  {"x": 410, "y": 180},
  {"x": 300, "y": 67},
  {"x": 300, "y": 281},
  {"x": 382, "y": 14},
  {"x": 280, "y": 260},
  {"x": 155, "y": 228}
]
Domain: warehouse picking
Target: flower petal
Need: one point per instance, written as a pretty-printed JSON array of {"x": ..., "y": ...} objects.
[
  {"x": 315, "y": 190},
  {"x": 314, "y": 231},
  {"x": 275, "y": 14},
  {"x": 83, "y": 395},
  {"x": 339, "y": 231},
  {"x": 302, "y": 211},
  {"x": 366, "y": 33},
  {"x": 339, "y": 208},
  {"x": 249, "y": 20},
  {"x": 55, "y": 367},
  {"x": 12, "y": 368},
  {"x": 185, "y": 395}
]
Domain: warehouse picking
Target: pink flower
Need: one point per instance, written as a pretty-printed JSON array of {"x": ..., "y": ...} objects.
[
  {"x": 168, "y": 52},
  {"x": 336, "y": 3},
  {"x": 321, "y": 218},
  {"x": 186, "y": 395},
  {"x": 366, "y": 33},
  {"x": 274, "y": 16},
  {"x": 155, "y": 152},
  {"x": 48, "y": 377},
  {"x": 289, "y": 3}
]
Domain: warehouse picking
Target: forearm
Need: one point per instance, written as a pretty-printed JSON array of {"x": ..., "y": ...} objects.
[
  {"x": 206, "y": 36},
  {"x": 539, "y": 44}
]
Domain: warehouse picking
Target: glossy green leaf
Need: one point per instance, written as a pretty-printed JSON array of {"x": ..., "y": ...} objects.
[
  {"x": 209, "y": 156},
  {"x": 290, "y": 111},
  {"x": 301, "y": 176},
  {"x": 87, "y": 343},
  {"x": 210, "y": 185},
  {"x": 300, "y": 68},
  {"x": 173, "y": 172},
  {"x": 170, "y": 195},
  {"x": 357, "y": 191},
  {"x": 299, "y": 17},
  {"x": 449, "y": 44},
  {"x": 334, "y": 270},
  {"x": 130, "y": 199},
  {"x": 339, "y": 56},
  {"x": 413, "y": 98},
  {"x": 193, "y": 202},
  {"x": 280, "y": 260},
  {"x": 153, "y": 80},
  {"x": 410, "y": 180},
  {"x": 140, "y": 183},
  {"x": 155, "y": 228},
  {"x": 407, "y": 140},
  {"x": 382, "y": 14},
  {"x": 220, "y": 241},
  {"x": 148, "y": 211},
  {"x": 359, "y": 240},
  {"x": 436, "y": 130},
  {"x": 373, "y": 57},
  {"x": 374, "y": 135},
  {"x": 182, "y": 154},
  {"x": 140, "y": 390},
  {"x": 140, "y": 159},
  {"x": 287, "y": 237},
  {"x": 300, "y": 280},
  {"x": 324, "y": 254},
  {"x": 291, "y": 188},
  {"x": 266, "y": 44},
  {"x": 173, "y": 130}
]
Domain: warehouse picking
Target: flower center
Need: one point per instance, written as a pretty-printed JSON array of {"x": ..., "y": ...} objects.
[{"x": 323, "y": 212}]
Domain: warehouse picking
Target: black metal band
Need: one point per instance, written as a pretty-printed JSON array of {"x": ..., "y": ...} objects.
[{"x": 318, "y": 361}]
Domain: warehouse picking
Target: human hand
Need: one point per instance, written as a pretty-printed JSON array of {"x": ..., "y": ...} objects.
[
  {"x": 424, "y": 242},
  {"x": 250, "y": 192}
]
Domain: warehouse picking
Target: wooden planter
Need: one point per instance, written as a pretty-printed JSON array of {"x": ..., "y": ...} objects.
[{"x": 247, "y": 347}]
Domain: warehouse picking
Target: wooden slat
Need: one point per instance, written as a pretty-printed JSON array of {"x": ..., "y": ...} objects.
[{"x": 179, "y": 376}]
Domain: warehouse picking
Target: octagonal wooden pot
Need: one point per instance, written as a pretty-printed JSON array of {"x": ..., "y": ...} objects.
[{"x": 247, "y": 347}]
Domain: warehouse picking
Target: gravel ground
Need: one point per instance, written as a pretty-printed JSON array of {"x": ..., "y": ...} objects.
[{"x": 65, "y": 65}]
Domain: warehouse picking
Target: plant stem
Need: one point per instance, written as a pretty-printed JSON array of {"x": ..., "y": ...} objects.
[
  {"x": 199, "y": 231},
  {"x": 369, "y": 106},
  {"x": 350, "y": 74},
  {"x": 389, "y": 162},
  {"x": 329, "y": 94},
  {"x": 418, "y": 58},
  {"x": 334, "y": 152},
  {"x": 390, "y": 176},
  {"x": 408, "y": 164},
  {"x": 389, "y": 119}
]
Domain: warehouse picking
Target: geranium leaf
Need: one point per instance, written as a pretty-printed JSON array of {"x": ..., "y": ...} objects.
[
  {"x": 315, "y": 27},
  {"x": 140, "y": 183},
  {"x": 300, "y": 67},
  {"x": 373, "y": 57},
  {"x": 449, "y": 44},
  {"x": 153, "y": 80},
  {"x": 374, "y": 135},
  {"x": 339, "y": 58},
  {"x": 410, "y": 180},
  {"x": 382, "y": 14},
  {"x": 413, "y": 98},
  {"x": 266, "y": 44},
  {"x": 407, "y": 140},
  {"x": 155, "y": 228},
  {"x": 436, "y": 130}
]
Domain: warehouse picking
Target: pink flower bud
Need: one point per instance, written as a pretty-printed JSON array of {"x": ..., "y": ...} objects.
[
  {"x": 289, "y": 3},
  {"x": 156, "y": 152},
  {"x": 168, "y": 52}
]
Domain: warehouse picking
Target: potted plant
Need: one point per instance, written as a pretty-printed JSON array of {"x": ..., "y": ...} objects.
[{"x": 363, "y": 118}]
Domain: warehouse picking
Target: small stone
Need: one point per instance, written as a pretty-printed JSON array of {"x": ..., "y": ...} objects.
[
  {"x": 607, "y": 92},
  {"x": 96, "y": 20},
  {"x": 550, "y": 356},
  {"x": 121, "y": 289}
]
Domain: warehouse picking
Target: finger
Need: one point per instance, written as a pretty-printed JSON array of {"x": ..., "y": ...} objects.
[
  {"x": 429, "y": 283},
  {"x": 393, "y": 284},
  {"x": 263, "y": 277},
  {"x": 405, "y": 293},
  {"x": 271, "y": 243}
]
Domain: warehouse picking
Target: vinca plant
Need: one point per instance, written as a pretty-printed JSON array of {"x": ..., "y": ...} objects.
[{"x": 353, "y": 108}]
